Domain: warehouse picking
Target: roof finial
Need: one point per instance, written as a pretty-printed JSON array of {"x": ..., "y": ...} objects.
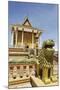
[{"x": 26, "y": 17}]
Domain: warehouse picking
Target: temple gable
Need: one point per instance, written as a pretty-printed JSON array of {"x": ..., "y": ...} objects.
[{"x": 27, "y": 22}]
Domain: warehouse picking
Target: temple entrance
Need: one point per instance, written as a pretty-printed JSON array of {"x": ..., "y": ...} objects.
[
  {"x": 49, "y": 72},
  {"x": 40, "y": 73}
]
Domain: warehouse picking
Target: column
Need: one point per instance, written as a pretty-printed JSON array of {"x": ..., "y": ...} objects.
[
  {"x": 37, "y": 40},
  {"x": 16, "y": 36},
  {"x": 12, "y": 38},
  {"x": 32, "y": 39},
  {"x": 22, "y": 36}
]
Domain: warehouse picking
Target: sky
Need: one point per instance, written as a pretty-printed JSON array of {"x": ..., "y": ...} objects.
[{"x": 42, "y": 16}]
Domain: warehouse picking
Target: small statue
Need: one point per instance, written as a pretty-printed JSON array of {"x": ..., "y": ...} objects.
[{"x": 45, "y": 59}]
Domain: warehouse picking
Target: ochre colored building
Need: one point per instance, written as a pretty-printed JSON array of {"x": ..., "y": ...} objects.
[
  {"x": 24, "y": 57},
  {"x": 25, "y": 35}
]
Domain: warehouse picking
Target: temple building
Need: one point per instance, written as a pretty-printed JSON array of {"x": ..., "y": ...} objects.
[
  {"x": 27, "y": 62},
  {"x": 25, "y": 35}
]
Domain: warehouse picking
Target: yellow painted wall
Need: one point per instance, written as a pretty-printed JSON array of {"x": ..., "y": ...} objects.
[{"x": 27, "y": 40}]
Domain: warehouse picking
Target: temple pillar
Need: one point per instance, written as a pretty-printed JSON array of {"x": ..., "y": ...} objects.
[
  {"x": 12, "y": 38},
  {"x": 16, "y": 36},
  {"x": 32, "y": 39},
  {"x": 22, "y": 37}
]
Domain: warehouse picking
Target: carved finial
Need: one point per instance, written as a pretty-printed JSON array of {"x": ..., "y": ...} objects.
[{"x": 26, "y": 17}]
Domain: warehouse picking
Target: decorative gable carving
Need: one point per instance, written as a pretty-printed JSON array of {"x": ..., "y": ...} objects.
[{"x": 27, "y": 23}]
